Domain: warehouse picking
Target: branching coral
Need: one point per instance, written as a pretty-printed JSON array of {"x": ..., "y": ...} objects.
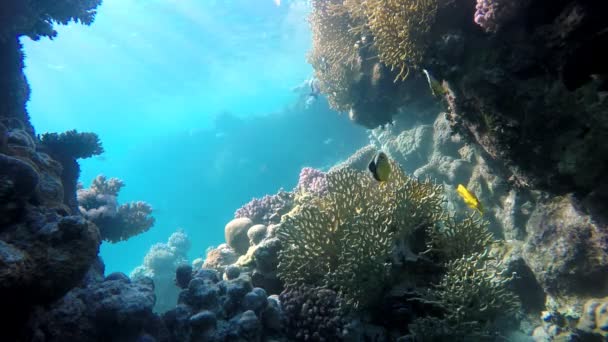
[
  {"x": 314, "y": 314},
  {"x": 492, "y": 14},
  {"x": 35, "y": 18},
  {"x": 116, "y": 222},
  {"x": 312, "y": 181},
  {"x": 344, "y": 239},
  {"x": 400, "y": 29},
  {"x": 472, "y": 294},
  {"x": 452, "y": 238},
  {"x": 334, "y": 53},
  {"x": 268, "y": 209}
]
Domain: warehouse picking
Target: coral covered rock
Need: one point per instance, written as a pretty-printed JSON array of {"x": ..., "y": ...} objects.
[
  {"x": 115, "y": 309},
  {"x": 220, "y": 257},
  {"x": 566, "y": 249}
]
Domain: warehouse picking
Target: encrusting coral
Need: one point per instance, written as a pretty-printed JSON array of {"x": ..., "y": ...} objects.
[{"x": 116, "y": 222}]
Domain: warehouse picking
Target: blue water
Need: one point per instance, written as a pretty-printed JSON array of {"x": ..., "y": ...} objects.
[{"x": 194, "y": 105}]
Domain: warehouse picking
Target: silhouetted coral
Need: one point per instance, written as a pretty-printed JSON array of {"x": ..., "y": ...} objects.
[
  {"x": 66, "y": 148},
  {"x": 313, "y": 314},
  {"x": 73, "y": 144},
  {"x": 116, "y": 222},
  {"x": 36, "y": 18}
]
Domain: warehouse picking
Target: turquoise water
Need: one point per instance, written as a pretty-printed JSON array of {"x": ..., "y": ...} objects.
[{"x": 193, "y": 102}]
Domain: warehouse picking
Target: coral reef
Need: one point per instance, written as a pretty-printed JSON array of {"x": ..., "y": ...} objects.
[
  {"x": 161, "y": 264},
  {"x": 571, "y": 243},
  {"x": 99, "y": 204}
]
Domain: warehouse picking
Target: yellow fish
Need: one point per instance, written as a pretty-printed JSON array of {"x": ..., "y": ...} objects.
[
  {"x": 469, "y": 198},
  {"x": 380, "y": 167}
]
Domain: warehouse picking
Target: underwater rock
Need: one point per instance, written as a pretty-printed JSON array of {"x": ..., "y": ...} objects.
[
  {"x": 412, "y": 147},
  {"x": 566, "y": 249},
  {"x": 236, "y": 234},
  {"x": 115, "y": 309},
  {"x": 183, "y": 275},
  {"x": 232, "y": 272},
  {"x": 255, "y": 300},
  {"x": 203, "y": 324},
  {"x": 524, "y": 285}
]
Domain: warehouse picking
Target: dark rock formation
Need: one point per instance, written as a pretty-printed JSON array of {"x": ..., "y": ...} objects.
[
  {"x": 531, "y": 93},
  {"x": 115, "y": 309}
]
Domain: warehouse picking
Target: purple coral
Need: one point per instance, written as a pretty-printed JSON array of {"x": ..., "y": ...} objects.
[
  {"x": 312, "y": 181},
  {"x": 116, "y": 222},
  {"x": 492, "y": 14},
  {"x": 268, "y": 209}
]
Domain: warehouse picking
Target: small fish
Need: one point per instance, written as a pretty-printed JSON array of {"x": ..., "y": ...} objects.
[
  {"x": 436, "y": 88},
  {"x": 380, "y": 167},
  {"x": 469, "y": 198}
]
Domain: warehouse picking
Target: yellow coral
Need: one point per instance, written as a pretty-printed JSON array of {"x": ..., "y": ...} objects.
[
  {"x": 400, "y": 29},
  {"x": 334, "y": 51},
  {"x": 344, "y": 239}
]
